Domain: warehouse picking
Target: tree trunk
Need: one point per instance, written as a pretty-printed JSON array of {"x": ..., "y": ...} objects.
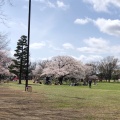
[{"x": 60, "y": 80}]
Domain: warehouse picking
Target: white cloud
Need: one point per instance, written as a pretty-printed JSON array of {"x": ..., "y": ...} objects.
[
  {"x": 103, "y": 5},
  {"x": 95, "y": 45},
  {"x": 111, "y": 27},
  {"x": 91, "y": 50},
  {"x": 50, "y": 4},
  {"x": 96, "y": 42},
  {"x": 37, "y": 45},
  {"x": 39, "y": 59},
  {"x": 49, "y": 58},
  {"x": 18, "y": 24},
  {"x": 68, "y": 46},
  {"x": 32, "y": 59},
  {"x": 108, "y": 26},
  {"x": 58, "y": 50},
  {"x": 115, "y": 50},
  {"x": 53, "y": 48},
  {"x": 89, "y": 58},
  {"x": 11, "y": 53},
  {"x": 62, "y": 5},
  {"x": 99, "y": 46},
  {"x": 57, "y": 4},
  {"x": 82, "y": 21}
]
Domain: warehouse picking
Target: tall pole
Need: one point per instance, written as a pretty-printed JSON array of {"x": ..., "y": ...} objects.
[{"x": 27, "y": 71}]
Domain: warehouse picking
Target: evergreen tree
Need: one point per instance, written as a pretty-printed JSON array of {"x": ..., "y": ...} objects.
[{"x": 19, "y": 64}]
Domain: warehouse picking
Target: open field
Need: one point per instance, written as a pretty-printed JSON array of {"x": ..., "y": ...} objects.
[{"x": 55, "y": 102}]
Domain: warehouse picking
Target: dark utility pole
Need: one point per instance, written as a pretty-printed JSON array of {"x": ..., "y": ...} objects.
[{"x": 27, "y": 71}]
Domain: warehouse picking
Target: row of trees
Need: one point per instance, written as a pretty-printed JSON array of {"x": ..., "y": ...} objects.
[
  {"x": 59, "y": 67},
  {"x": 66, "y": 67}
]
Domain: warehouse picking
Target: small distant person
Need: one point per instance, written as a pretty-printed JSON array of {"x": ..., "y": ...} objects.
[{"x": 90, "y": 82}]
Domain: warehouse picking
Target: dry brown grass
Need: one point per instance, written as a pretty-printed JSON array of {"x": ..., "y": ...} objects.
[{"x": 18, "y": 105}]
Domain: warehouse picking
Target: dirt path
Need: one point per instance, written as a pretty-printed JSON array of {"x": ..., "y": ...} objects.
[{"x": 20, "y": 105}]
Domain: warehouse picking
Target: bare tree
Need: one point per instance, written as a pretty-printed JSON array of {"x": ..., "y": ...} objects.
[
  {"x": 3, "y": 41},
  {"x": 4, "y": 59},
  {"x": 107, "y": 66},
  {"x": 93, "y": 66},
  {"x": 39, "y": 67},
  {"x": 3, "y": 2},
  {"x": 3, "y": 17}
]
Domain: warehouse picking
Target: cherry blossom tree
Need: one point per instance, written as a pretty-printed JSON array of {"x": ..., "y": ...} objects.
[
  {"x": 4, "y": 62},
  {"x": 4, "y": 59},
  {"x": 64, "y": 66}
]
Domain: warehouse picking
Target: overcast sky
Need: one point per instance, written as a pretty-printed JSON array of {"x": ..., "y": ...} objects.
[{"x": 85, "y": 29}]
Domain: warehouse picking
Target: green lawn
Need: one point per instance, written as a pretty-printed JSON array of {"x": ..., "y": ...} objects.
[{"x": 102, "y": 101}]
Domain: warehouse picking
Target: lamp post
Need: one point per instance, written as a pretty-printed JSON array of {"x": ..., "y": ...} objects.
[{"x": 27, "y": 71}]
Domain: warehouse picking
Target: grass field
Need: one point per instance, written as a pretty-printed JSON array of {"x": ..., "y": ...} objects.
[{"x": 63, "y": 102}]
